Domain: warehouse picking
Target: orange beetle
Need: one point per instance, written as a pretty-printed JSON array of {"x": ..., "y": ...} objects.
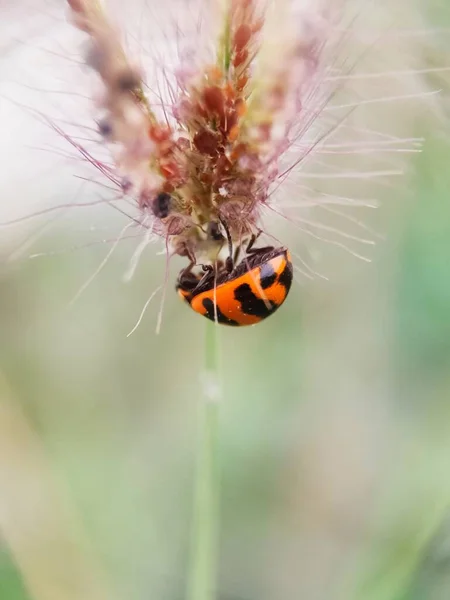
[{"x": 243, "y": 295}]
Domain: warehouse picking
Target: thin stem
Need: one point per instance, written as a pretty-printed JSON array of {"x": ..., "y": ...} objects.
[{"x": 204, "y": 559}]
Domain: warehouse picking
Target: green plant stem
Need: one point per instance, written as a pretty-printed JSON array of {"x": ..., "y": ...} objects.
[{"x": 204, "y": 558}]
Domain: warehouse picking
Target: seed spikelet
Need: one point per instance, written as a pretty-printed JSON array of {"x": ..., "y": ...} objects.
[{"x": 215, "y": 154}]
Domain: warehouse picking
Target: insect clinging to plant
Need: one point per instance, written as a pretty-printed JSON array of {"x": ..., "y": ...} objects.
[{"x": 239, "y": 293}]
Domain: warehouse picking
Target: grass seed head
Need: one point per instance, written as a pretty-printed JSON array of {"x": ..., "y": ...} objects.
[
  {"x": 214, "y": 155},
  {"x": 283, "y": 106}
]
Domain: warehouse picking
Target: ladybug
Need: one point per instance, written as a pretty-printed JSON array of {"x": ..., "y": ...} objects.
[{"x": 244, "y": 294}]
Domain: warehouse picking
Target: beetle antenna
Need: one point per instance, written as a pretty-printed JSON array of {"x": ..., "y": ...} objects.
[{"x": 229, "y": 262}]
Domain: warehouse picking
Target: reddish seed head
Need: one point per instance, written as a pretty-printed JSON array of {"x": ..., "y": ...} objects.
[
  {"x": 257, "y": 26},
  {"x": 206, "y": 178},
  {"x": 159, "y": 134},
  {"x": 232, "y": 120},
  {"x": 238, "y": 151},
  {"x": 170, "y": 170},
  {"x": 206, "y": 142},
  {"x": 242, "y": 37},
  {"x": 230, "y": 92},
  {"x": 77, "y": 5},
  {"x": 240, "y": 106},
  {"x": 241, "y": 4},
  {"x": 214, "y": 100},
  {"x": 240, "y": 58},
  {"x": 242, "y": 82},
  {"x": 214, "y": 74},
  {"x": 198, "y": 110},
  {"x": 264, "y": 130},
  {"x": 234, "y": 133}
]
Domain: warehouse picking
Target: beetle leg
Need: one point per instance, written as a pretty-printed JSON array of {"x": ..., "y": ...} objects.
[
  {"x": 251, "y": 250},
  {"x": 187, "y": 279},
  {"x": 208, "y": 272}
]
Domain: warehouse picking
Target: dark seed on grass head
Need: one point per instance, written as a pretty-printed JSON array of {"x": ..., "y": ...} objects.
[
  {"x": 161, "y": 205},
  {"x": 128, "y": 81},
  {"x": 105, "y": 128},
  {"x": 214, "y": 232}
]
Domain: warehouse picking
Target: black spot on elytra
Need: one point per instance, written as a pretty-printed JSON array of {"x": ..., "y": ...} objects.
[
  {"x": 211, "y": 313},
  {"x": 251, "y": 304},
  {"x": 268, "y": 276},
  {"x": 286, "y": 277}
]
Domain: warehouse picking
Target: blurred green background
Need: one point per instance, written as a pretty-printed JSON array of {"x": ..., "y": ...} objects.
[{"x": 335, "y": 418}]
